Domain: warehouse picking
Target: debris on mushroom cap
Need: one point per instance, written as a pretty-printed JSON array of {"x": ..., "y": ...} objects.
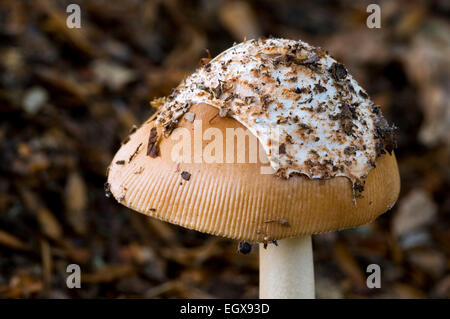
[
  {"x": 189, "y": 116},
  {"x": 325, "y": 123},
  {"x": 134, "y": 153},
  {"x": 185, "y": 175},
  {"x": 152, "y": 147}
]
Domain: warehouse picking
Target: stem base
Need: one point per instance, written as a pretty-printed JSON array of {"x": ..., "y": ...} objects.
[{"x": 287, "y": 270}]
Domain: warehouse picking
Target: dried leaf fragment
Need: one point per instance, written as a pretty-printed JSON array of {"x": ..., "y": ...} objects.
[{"x": 152, "y": 148}]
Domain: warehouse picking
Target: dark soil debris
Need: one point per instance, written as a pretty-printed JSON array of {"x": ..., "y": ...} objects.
[
  {"x": 282, "y": 148},
  {"x": 185, "y": 175},
  {"x": 338, "y": 71},
  {"x": 244, "y": 247}
]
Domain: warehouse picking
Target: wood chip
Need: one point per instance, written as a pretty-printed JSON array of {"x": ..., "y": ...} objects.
[
  {"x": 11, "y": 241},
  {"x": 76, "y": 201},
  {"x": 108, "y": 274}
]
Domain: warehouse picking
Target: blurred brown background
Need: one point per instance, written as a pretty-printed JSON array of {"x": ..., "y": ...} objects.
[{"x": 69, "y": 96}]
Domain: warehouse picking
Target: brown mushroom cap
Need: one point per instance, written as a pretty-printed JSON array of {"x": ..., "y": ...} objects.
[{"x": 235, "y": 200}]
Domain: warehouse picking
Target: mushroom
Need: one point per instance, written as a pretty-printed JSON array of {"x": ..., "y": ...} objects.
[{"x": 324, "y": 156}]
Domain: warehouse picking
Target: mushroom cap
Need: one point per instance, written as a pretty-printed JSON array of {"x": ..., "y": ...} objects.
[
  {"x": 296, "y": 95},
  {"x": 236, "y": 200}
]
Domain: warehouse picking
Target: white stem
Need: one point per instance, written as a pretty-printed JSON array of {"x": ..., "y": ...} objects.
[{"x": 286, "y": 271}]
